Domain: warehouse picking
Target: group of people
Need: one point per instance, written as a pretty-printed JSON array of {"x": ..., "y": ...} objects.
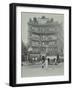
[{"x": 46, "y": 61}]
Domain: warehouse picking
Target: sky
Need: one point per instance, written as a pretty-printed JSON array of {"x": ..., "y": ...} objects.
[{"x": 25, "y": 16}]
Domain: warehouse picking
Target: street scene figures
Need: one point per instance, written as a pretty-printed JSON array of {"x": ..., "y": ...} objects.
[{"x": 42, "y": 45}]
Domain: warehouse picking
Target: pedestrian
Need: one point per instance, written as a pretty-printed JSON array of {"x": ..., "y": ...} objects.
[
  {"x": 57, "y": 58},
  {"x": 48, "y": 61},
  {"x": 43, "y": 61}
]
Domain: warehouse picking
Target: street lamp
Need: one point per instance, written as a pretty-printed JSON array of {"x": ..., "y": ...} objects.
[{"x": 29, "y": 50}]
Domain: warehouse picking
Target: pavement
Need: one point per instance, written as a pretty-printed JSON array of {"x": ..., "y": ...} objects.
[{"x": 37, "y": 70}]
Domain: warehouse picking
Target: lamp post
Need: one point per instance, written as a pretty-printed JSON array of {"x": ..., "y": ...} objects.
[{"x": 29, "y": 50}]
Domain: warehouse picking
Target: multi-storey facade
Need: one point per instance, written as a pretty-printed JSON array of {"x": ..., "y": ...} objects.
[{"x": 43, "y": 36}]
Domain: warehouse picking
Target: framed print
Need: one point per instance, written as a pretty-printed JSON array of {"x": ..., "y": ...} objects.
[{"x": 40, "y": 44}]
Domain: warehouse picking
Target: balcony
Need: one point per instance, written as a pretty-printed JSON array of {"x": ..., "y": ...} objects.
[{"x": 43, "y": 33}]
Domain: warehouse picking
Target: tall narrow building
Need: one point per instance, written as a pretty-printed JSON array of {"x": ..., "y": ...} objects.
[{"x": 43, "y": 36}]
